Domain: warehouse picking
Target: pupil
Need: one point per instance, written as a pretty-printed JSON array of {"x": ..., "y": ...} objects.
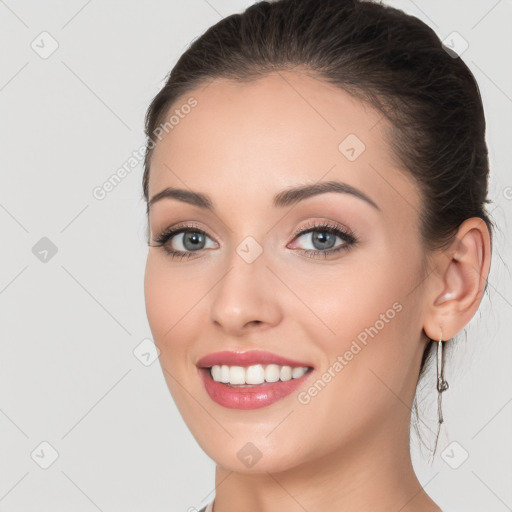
[
  {"x": 195, "y": 239},
  {"x": 323, "y": 238}
]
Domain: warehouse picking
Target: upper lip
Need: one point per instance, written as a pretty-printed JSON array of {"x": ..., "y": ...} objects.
[{"x": 246, "y": 359}]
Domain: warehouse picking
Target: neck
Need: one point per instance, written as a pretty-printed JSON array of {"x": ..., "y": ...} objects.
[{"x": 366, "y": 475}]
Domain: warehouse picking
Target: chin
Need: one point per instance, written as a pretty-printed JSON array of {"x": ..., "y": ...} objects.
[{"x": 251, "y": 451}]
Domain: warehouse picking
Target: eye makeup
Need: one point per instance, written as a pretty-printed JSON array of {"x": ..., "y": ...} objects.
[{"x": 164, "y": 240}]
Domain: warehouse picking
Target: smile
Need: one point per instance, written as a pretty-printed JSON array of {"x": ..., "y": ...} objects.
[
  {"x": 251, "y": 379},
  {"x": 255, "y": 374}
]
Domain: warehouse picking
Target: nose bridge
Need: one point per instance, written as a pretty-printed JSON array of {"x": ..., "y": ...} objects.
[{"x": 243, "y": 295}]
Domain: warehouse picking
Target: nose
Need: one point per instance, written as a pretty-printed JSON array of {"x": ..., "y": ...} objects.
[{"x": 245, "y": 298}]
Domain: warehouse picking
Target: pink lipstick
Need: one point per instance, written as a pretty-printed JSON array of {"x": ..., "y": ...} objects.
[{"x": 252, "y": 379}]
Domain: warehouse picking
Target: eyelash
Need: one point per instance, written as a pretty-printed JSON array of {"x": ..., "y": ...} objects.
[{"x": 323, "y": 227}]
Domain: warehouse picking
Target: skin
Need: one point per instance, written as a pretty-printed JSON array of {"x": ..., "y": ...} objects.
[{"x": 348, "y": 448}]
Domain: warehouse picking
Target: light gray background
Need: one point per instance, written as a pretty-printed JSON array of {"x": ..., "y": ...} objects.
[{"x": 69, "y": 326}]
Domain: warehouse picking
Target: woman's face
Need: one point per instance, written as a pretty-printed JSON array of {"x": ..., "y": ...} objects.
[{"x": 348, "y": 307}]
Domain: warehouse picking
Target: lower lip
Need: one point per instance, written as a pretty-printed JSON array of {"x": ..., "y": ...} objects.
[{"x": 254, "y": 397}]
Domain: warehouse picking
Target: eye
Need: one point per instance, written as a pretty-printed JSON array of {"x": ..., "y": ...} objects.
[
  {"x": 322, "y": 237},
  {"x": 183, "y": 241}
]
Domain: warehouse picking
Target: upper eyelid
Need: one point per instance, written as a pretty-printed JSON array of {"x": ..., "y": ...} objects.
[
  {"x": 180, "y": 228},
  {"x": 318, "y": 225},
  {"x": 301, "y": 231}
]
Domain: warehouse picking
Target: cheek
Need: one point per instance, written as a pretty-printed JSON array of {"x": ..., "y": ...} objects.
[
  {"x": 174, "y": 309},
  {"x": 363, "y": 316},
  {"x": 159, "y": 302},
  {"x": 338, "y": 303},
  {"x": 166, "y": 301}
]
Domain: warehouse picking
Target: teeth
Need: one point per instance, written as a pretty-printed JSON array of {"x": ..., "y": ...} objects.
[
  {"x": 255, "y": 374},
  {"x": 285, "y": 373},
  {"x": 236, "y": 375},
  {"x": 215, "y": 372},
  {"x": 272, "y": 372},
  {"x": 298, "y": 372},
  {"x": 224, "y": 373}
]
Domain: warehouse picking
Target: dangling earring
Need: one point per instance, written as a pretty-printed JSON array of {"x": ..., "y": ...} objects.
[{"x": 442, "y": 385}]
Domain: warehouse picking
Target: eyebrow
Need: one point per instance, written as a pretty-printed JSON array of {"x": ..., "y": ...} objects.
[{"x": 287, "y": 197}]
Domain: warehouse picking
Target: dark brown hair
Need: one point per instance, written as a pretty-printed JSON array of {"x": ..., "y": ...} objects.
[{"x": 380, "y": 55}]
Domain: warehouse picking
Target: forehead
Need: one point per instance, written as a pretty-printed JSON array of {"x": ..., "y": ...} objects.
[{"x": 248, "y": 140}]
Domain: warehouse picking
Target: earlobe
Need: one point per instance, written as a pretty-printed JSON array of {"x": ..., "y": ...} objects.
[{"x": 459, "y": 285}]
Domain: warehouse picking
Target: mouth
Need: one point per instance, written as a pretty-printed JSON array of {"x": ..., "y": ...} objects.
[
  {"x": 254, "y": 375},
  {"x": 251, "y": 379}
]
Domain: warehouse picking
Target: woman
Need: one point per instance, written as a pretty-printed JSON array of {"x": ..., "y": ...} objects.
[{"x": 316, "y": 180}]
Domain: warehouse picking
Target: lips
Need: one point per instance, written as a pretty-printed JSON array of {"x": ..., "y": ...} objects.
[
  {"x": 253, "y": 396},
  {"x": 247, "y": 358}
]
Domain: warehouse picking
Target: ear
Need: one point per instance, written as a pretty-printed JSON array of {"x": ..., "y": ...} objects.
[{"x": 457, "y": 284}]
